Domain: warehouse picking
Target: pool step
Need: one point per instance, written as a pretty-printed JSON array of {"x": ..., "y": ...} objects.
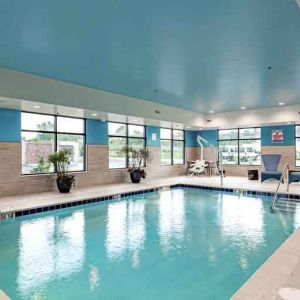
[{"x": 285, "y": 204}]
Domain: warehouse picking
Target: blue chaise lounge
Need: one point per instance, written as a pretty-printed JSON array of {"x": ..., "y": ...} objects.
[{"x": 271, "y": 162}]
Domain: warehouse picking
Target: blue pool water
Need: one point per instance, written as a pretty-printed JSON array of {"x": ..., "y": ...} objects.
[{"x": 178, "y": 244}]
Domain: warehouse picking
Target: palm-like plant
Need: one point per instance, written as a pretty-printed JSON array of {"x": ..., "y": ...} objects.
[
  {"x": 61, "y": 161},
  {"x": 136, "y": 159}
]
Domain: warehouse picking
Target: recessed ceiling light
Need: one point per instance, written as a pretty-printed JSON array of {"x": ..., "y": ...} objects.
[
  {"x": 188, "y": 127},
  {"x": 211, "y": 111},
  {"x": 280, "y": 103},
  {"x": 289, "y": 123},
  {"x": 135, "y": 120},
  {"x": 243, "y": 107},
  {"x": 36, "y": 106},
  {"x": 94, "y": 115}
]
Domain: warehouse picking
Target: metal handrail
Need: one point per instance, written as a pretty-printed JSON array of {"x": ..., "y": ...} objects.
[
  {"x": 285, "y": 168},
  {"x": 221, "y": 167},
  {"x": 217, "y": 158}
]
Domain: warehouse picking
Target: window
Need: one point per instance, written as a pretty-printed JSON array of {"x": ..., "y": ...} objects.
[
  {"x": 171, "y": 147},
  {"x": 297, "y": 143},
  {"x": 240, "y": 146},
  {"x": 120, "y": 136},
  {"x": 45, "y": 134}
]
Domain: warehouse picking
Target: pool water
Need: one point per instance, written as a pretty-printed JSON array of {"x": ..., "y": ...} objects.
[{"x": 176, "y": 244}]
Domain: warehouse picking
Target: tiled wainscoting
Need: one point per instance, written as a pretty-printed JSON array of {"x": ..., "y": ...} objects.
[{"x": 13, "y": 183}]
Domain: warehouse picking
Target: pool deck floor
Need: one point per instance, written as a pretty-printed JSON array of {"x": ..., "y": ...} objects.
[{"x": 281, "y": 270}]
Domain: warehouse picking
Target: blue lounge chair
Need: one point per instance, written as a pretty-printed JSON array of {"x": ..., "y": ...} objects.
[
  {"x": 271, "y": 162},
  {"x": 294, "y": 176}
]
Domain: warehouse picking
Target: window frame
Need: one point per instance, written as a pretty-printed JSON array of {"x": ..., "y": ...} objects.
[
  {"x": 172, "y": 147},
  {"x": 127, "y": 139},
  {"x": 295, "y": 141},
  {"x": 56, "y": 133},
  {"x": 238, "y": 139}
]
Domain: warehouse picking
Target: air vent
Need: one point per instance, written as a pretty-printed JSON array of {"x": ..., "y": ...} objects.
[{"x": 208, "y": 121}]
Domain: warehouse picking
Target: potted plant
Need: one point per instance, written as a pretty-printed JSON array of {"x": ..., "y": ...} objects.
[
  {"x": 136, "y": 159},
  {"x": 61, "y": 162}
]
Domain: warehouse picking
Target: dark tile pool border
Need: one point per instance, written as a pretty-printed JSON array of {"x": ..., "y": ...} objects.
[{"x": 26, "y": 212}]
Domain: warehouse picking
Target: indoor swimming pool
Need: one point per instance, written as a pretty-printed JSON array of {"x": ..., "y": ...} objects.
[{"x": 182, "y": 243}]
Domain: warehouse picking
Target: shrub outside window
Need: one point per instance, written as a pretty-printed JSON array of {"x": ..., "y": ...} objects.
[
  {"x": 44, "y": 134},
  {"x": 172, "y": 147},
  {"x": 120, "y": 136}
]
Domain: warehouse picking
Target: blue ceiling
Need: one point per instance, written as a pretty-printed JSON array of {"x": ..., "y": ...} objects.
[{"x": 196, "y": 54}]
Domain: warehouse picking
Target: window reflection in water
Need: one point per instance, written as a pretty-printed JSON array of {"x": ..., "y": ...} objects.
[
  {"x": 171, "y": 219},
  {"x": 125, "y": 230},
  {"x": 49, "y": 248},
  {"x": 136, "y": 229},
  {"x": 242, "y": 223},
  {"x": 116, "y": 230},
  {"x": 242, "y": 218},
  {"x": 94, "y": 278}
]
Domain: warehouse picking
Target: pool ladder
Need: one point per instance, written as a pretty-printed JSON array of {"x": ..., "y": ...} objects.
[{"x": 284, "y": 204}]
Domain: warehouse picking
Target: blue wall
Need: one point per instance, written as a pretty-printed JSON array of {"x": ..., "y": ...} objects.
[
  {"x": 10, "y": 125},
  {"x": 211, "y": 136},
  {"x": 191, "y": 138},
  {"x": 288, "y": 135},
  {"x": 149, "y": 131},
  {"x": 96, "y": 132}
]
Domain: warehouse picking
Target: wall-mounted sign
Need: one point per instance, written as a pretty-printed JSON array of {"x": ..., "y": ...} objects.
[
  {"x": 277, "y": 136},
  {"x": 153, "y": 136}
]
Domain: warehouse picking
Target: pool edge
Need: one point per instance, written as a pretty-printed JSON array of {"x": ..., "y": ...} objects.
[
  {"x": 280, "y": 270},
  {"x": 14, "y": 213}
]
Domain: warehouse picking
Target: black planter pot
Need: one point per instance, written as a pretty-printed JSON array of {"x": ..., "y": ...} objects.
[
  {"x": 135, "y": 176},
  {"x": 64, "y": 184}
]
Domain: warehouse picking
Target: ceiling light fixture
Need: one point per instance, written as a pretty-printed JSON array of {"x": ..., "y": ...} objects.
[
  {"x": 36, "y": 106},
  {"x": 94, "y": 115},
  {"x": 211, "y": 111},
  {"x": 281, "y": 103},
  {"x": 243, "y": 107}
]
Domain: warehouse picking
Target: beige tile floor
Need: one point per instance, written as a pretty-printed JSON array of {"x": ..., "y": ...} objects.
[{"x": 282, "y": 269}]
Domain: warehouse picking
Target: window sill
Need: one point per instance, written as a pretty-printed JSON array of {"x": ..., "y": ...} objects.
[
  {"x": 237, "y": 165},
  {"x": 52, "y": 174},
  {"x": 178, "y": 165}
]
